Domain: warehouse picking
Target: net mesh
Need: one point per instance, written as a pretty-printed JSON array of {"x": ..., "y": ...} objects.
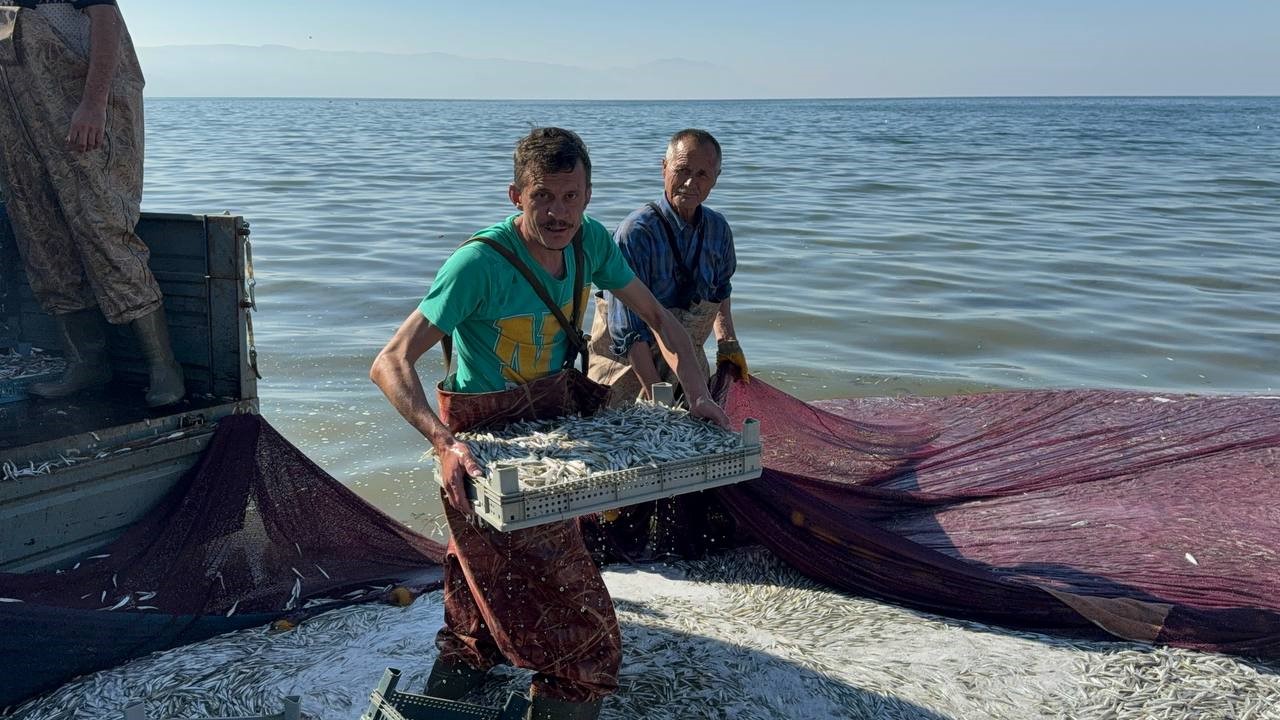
[
  {"x": 252, "y": 533},
  {"x": 253, "y": 521},
  {"x": 1036, "y": 508}
]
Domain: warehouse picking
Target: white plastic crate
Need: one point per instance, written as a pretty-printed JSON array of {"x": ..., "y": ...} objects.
[{"x": 499, "y": 500}]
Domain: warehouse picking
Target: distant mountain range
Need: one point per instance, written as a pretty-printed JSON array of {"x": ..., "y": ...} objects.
[{"x": 279, "y": 71}]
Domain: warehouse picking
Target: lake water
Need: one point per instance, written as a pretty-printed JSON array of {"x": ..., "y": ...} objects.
[{"x": 885, "y": 246}]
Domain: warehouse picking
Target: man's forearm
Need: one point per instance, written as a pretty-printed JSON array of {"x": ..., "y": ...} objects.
[
  {"x": 722, "y": 325},
  {"x": 641, "y": 357},
  {"x": 403, "y": 388},
  {"x": 678, "y": 351},
  {"x": 104, "y": 53}
]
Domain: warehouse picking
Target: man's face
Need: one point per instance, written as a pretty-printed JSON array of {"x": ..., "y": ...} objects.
[
  {"x": 688, "y": 176},
  {"x": 552, "y": 206}
]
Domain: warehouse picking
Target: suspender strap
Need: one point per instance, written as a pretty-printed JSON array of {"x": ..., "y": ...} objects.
[
  {"x": 685, "y": 278},
  {"x": 577, "y": 341}
]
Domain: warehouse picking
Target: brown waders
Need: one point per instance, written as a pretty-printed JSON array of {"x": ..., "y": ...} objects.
[
  {"x": 530, "y": 597},
  {"x": 534, "y": 597}
]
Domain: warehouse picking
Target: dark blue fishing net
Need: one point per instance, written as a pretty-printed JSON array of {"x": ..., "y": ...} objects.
[{"x": 249, "y": 535}]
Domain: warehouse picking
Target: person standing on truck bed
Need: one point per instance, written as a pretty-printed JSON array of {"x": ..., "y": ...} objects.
[{"x": 71, "y": 147}]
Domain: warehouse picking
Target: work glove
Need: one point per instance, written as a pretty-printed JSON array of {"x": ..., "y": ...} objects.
[{"x": 729, "y": 351}]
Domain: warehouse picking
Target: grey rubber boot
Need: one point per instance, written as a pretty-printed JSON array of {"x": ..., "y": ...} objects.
[
  {"x": 450, "y": 681},
  {"x": 545, "y": 708},
  {"x": 167, "y": 385},
  {"x": 84, "y": 340}
]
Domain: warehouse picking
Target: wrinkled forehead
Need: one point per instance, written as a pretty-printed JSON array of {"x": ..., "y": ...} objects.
[
  {"x": 690, "y": 152},
  {"x": 537, "y": 178}
]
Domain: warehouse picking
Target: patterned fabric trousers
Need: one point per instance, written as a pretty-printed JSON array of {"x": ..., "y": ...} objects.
[
  {"x": 73, "y": 213},
  {"x": 615, "y": 370}
]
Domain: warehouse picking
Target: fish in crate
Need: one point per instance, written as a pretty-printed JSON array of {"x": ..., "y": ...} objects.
[{"x": 541, "y": 471}]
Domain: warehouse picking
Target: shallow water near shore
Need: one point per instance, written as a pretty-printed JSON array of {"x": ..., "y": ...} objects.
[{"x": 885, "y": 246}]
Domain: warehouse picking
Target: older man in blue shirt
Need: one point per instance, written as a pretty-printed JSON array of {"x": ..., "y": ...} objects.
[{"x": 683, "y": 251}]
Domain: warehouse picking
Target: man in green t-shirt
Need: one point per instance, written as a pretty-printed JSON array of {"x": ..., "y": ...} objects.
[{"x": 532, "y": 598}]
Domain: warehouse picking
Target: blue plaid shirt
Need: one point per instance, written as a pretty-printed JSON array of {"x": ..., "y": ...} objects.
[{"x": 642, "y": 239}]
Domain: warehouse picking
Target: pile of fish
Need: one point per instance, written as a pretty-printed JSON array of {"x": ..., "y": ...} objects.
[
  {"x": 16, "y": 365},
  {"x": 740, "y": 635},
  {"x": 551, "y": 452}
]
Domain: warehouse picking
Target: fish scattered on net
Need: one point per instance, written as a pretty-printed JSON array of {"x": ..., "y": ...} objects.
[{"x": 551, "y": 452}]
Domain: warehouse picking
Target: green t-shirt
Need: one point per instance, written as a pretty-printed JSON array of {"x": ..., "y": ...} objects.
[{"x": 503, "y": 335}]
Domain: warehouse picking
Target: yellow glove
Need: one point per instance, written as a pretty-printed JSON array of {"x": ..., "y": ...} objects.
[{"x": 731, "y": 352}]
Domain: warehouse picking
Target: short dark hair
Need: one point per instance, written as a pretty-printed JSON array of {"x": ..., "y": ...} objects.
[
  {"x": 700, "y": 137},
  {"x": 547, "y": 150}
]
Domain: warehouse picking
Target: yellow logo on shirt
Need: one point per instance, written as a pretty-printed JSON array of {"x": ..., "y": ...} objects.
[{"x": 524, "y": 355}]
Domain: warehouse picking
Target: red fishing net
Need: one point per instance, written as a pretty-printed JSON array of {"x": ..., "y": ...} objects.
[{"x": 1153, "y": 517}]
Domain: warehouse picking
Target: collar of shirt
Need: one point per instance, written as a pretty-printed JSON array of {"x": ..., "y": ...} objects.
[{"x": 677, "y": 222}]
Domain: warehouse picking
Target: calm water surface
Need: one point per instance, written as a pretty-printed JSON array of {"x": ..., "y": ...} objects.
[{"x": 885, "y": 247}]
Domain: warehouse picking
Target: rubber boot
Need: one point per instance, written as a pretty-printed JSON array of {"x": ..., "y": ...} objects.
[
  {"x": 545, "y": 708},
  {"x": 167, "y": 385},
  {"x": 451, "y": 681},
  {"x": 84, "y": 340}
]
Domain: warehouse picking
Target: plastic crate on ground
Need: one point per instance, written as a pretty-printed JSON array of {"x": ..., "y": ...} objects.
[
  {"x": 499, "y": 500},
  {"x": 387, "y": 703}
]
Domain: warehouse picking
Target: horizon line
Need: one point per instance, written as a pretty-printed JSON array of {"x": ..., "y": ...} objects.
[{"x": 1081, "y": 96}]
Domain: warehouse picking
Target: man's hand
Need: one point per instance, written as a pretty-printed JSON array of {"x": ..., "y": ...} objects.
[
  {"x": 87, "y": 127},
  {"x": 731, "y": 352},
  {"x": 707, "y": 409},
  {"x": 456, "y": 464}
]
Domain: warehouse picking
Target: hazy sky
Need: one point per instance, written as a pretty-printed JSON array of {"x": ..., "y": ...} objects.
[{"x": 823, "y": 48}]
